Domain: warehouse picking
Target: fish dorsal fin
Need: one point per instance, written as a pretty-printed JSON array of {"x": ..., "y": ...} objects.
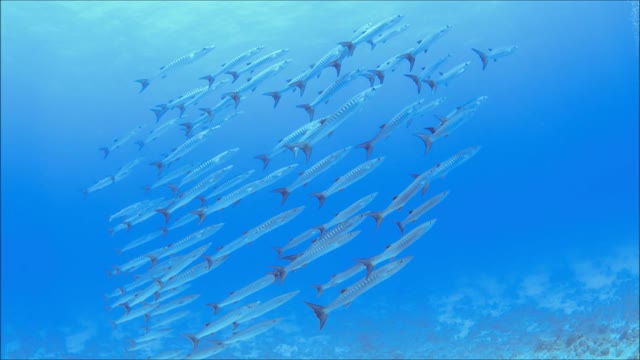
[
  {"x": 301, "y": 172},
  {"x": 382, "y": 126},
  {"x": 231, "y": 293},
  {"x": 395, "y": 197},
  {"x": 323, "y": 121},
  {"x": 161, "y": 67},
  {"x": 441, "y": 73},
  {"x": 490, "y": 49},
  {"x": 249, "y": 79},
  {"x": 388, "y": 246},
  {"x": 419, "y": 41},
  {"x": 223, "y": 64},
  {"x": 245, "y": 233},
  {"x": 288, "y": 80},
  {"x": 337, "y": 179},
  {"x": 410, "y": 212},
  {"x": 334, "y": 275},
  {"x": 422, "y": 68},
  {"x": 249, "y": 63},
  {"x": 320, "y": 92},
  {"x": 415, "y": 176},
  {"x": 311, "y": 66},
  {"x": 114, "y": 140},
  {"x": 343, "y": 291}
]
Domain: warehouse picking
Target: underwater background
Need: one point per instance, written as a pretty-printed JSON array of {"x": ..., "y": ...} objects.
[{"x": 535, "y": 249}]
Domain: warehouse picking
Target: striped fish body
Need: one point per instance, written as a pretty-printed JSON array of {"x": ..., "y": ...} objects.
[
  {"x": 318, "y": 249},
  {"x": 443, "y": 168},
  {"x": 267, "y": 306},
  {"x": 209, "y": 164},
  {"x": 257, "y": 63},
  {"x": 428, "y": 71},
  {"x": 199, "y": 188},
  {"x": 226, "y": 320},
  {"x": 426, "y": 206},
  {"x": 251, "y": 332},
  {"x": 187, "y": 146},
  {"x": 169, "y": 319},
  {"x": 229, "y": 184},
  {"x": 297, "y": 240},
  {"x": 274, "y": 222},
  {"x": 252, "y": 288},
  {"x": 392, "y": 250},
  {"x": 184, "y": 262},
  {"x": 188, "y": 241},
  {"x": 351, "y": 210},
  {"x": 185, "y": 300},
  {"x": 262, "y": 76},
  {"x": 376, "y": 29},
  {"x": 393, "y": 32},
  {"x": 425, "y": 44},
  {"x": 318, "y": 168},
  {"x": 354, "y": 175}
]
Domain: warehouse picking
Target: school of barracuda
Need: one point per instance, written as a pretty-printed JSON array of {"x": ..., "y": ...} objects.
[{"x": 151, "y": 298}]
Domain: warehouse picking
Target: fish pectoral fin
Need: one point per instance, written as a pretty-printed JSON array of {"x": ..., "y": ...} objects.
[{"x": 346, "y": 306}]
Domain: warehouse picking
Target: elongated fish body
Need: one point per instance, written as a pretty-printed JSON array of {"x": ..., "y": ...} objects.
[
  {"x": 250, "y": 289},
  {"x": 143, "y": 295},
  {"x": 312, "y": 172},
  {"x": 275, "y": 176},
  {"x": 443, "y": 168},
  {"x": 371, "y": 32},
  {"x": 296, "y": 135},
  {"x": 267, "y": 306},
  {"x": 260, "y": 230},
  {"x": 117, "y": 143},
  {"x": 158, "y": 132},
  {"x": 141, "y": 346},
  {"x": 394, "y": 249},
  {"x": 99, "y": 185},
  {"x": 125, "y": 170},
  {"x": 327, "y": 93},
  {"x": 208, "y": 165},
  {"x": 233, "y": 63},
  {"x": 250, "y": 332},
  {"x": 332, "y": 56},
  {"x": 339, "y": 278},
  {"x": 168, "y": 320},
  {"x": 185, "y": 261},
  {"x": 348, "y": 295},
  {"x": 361, "y": 30},
  {"x": 401, "y": 199},
  {"x": 132, "y": 209},
  {"x": 316, "y": 250},
  {"x": 185, "y": 300},
  {"x": 226, "y": 200},
  {"x": 417, "y": 212},
  {"x": 192, "y": 273},
  {"x": 193, "y": 100},
  {"x": 387, "y": 128},
  {"x": 296, "y": 241},
  {"x": 145, "y": 215},
  {"x": 188, "y": 241},
  {"x": 169, "y": 355},
  {"x": 229, "y": 184},
  {"x": 447, "y": 77},
  {"x": 141, "y": 240},
  {"x": 168, "y": 178},
  {"x": 339, "y": 229},
  {"x": 206, "y": 353},
  {"x": 390, "y": 65},
  {"x": 252, "y": 66},
  {"x": 329, "y": 124},
  {"x": 494, "y": 54},
  {"x": 425, "y": 44},
  {"x": 134, "y": 314},
  {"x": 180, "y": 102},
  {"x": 220, "y": 108},
  {"x": 133, "y": 264},
  {"x": 349, "y": 178},
  {"x": 168, "y": 293},
  {"x": 179, "y": 62},
  {"x": 385, "y": 36},
  {"x": 222, "y": 322},
  {"x": 349, "y": 211},
  {"x": 183, "y": 149},
  {"x": 191, "y": 194},
  {"x": 253, "y": 82},
  {"x": 152, "y": 335}
]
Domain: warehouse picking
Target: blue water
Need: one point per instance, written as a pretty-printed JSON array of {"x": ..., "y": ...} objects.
[{"x": 535, "y": 250}]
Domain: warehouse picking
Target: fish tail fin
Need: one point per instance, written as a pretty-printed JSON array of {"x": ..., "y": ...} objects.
[
  {"x": 416, "y": 80},
  {"x": 113, "y": 324},
  {"x": 174, "y": 189},
  {"x": 483, "y": 58},
  {"x": 181, "y": 108},
  {"x": 202, "y": 200},
  {"x": 278, "y": 250},
  {"x": 400, "y": 226},
  {"x": 147, "y": 317},
  {"x": 319, "y": 311},
  {"x": 410, "y": 58},
  {"x": 378, "y": 216},
  {"x": 300, "y": 84},
  {"x": 127, "y": 224},
  {"x": 234, "y": 96},
  {"x": 159, "y": 113},
  {"x": 284, "y": 192},
  {"x": 308, "y": 109},
  {"x": 337, "y": 65},
  {"x": 371, "y": 78},
  {"x": 427, "y": 141},
  {"x": 432, "y": 84},
  {"x": 85, "y": 193},
  {"x": 165, "y": 213},
  {"x": 367, "y": 146},
  {"x": 320, "y": 228},
  {"x": 373, "y": 45},
  {"x": 147, "y": 188},
  {"x": 140, "y": 144},
  {"x": 194, "y": 339},
  {"x": 234, "y": 74},
  {"x": 144, "y": 83},
  {"x": 368, "y": 264},
  {"x": 159, "y": 165},
  {"x": 164, "y": 230},
  {"x": 321, "y": 198},
  {"x": 126, "y": 307},
  {"x": 280, "y": 273},
  {"x": 106, "y": 151},
  {"x": 349, "y": 46},
  {"x": 208, "y": 111},
  {"x": 215, "y": 307},
  {"x": 276, "y": 97},
  {"x": 118, "y": 252},
  {"x": 265, "y": 160},
  {"x": 200, "y": 214},
  {"x": 379, "y": 74},
  {"x": 187, "y": 128},
  {"x": 210, "y": 79},
  {"x": 319, "y": 289}
]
